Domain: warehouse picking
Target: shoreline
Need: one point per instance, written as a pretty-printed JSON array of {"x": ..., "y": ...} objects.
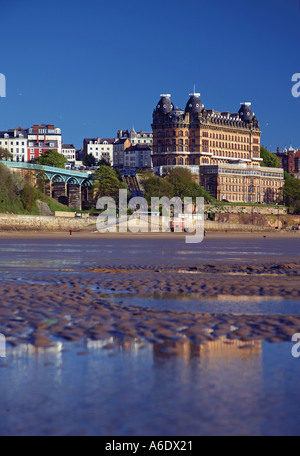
[{"x": 92, "y": 234}]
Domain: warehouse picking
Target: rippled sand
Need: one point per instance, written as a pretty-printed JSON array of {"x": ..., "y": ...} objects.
[{"x": 81, "y": 308}]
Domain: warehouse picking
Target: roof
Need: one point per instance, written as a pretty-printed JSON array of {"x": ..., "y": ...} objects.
[
  {"x": 245, "y": 112},
  {"x": 121, "y": 141},
  {"x": 139, "y": 147},
  {"x": 194, "y": 104},
  {"x": 164, "y": 105},
  {"x": 108, "y": 140},
  {"x": 68, "y": 146}
]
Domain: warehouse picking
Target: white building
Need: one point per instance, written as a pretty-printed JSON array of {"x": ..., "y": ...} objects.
[
  {"x": 69, "y": 152},
  {"x": 15, "y": 141},
  {"x": 99, "y": 148}
]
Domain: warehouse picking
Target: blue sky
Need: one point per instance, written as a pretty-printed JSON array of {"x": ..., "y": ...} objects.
[{"x": 94, "y": 67}]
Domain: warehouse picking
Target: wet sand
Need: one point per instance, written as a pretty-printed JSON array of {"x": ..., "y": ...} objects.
[
  {"x": 62, "y": 288},
  {"x": 74, "y": 308}
]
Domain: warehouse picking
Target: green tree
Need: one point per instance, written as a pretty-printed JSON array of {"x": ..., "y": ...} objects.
[
  {"x": 28, "y": 196},
  {"x": 184, "y": 185},
  {"x": 52, "y": 158},
  {"x": 106, "y": 182},
  {"x": 89, "y": 160},
  {"x": 41, "y": 179},
  {"x": 291, "y": 193},
  {"x": 5, "y": 154},
  {"x": 157, "y": 187},
  {"x": 270, "y": 160},
  {"x": 103, "y": 161},
  {"x": 180, "y": 178}
]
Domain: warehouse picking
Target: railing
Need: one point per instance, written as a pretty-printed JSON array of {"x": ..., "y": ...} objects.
[{"x": 50, "y": 169}]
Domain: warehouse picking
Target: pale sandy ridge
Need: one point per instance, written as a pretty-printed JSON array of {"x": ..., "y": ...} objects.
[{"x": 92, "y": 234}]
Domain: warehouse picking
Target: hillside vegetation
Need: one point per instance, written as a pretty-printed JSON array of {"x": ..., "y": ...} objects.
[{"x": 17, "y": 196}]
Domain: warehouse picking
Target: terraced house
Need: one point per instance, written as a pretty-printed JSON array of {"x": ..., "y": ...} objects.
[{"x": 221, "y": 149}]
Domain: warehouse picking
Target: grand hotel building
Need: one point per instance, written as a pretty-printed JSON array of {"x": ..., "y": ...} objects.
[{"x": 221, "y": 149}]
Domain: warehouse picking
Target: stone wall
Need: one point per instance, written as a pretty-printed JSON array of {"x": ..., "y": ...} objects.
[
  {"x": 42, "y": 223},
  {"x": 282, "y": 221},
  {"x": 263, "y": 210}
]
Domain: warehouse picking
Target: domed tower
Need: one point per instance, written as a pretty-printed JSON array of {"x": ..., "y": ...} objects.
[
  {"x": 245, "y": 112},
  {"x": 165, "y": 105},
  {"x": 194, "y": 104}
]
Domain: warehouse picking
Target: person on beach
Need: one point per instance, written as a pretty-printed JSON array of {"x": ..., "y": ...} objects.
[{"x": 71, "y": 232}]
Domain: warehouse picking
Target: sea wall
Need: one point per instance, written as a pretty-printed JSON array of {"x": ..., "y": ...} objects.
[
  {"x": 50, "y": 223},
  {"x": 262, "y": 210},
  {"x": 43, "y": 223},
  {"x": 223, "y": 226},
  {"x": 256, "y": 219}
]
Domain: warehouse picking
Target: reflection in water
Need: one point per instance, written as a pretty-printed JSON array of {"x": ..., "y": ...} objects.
[
  {"x": 133, "y": 387},
  {"x": 213, "y": 350},
  {"x": 184, "y": 349},
  {"x": 116, "y": 387},
  {"x": 29, "y": 349}
]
